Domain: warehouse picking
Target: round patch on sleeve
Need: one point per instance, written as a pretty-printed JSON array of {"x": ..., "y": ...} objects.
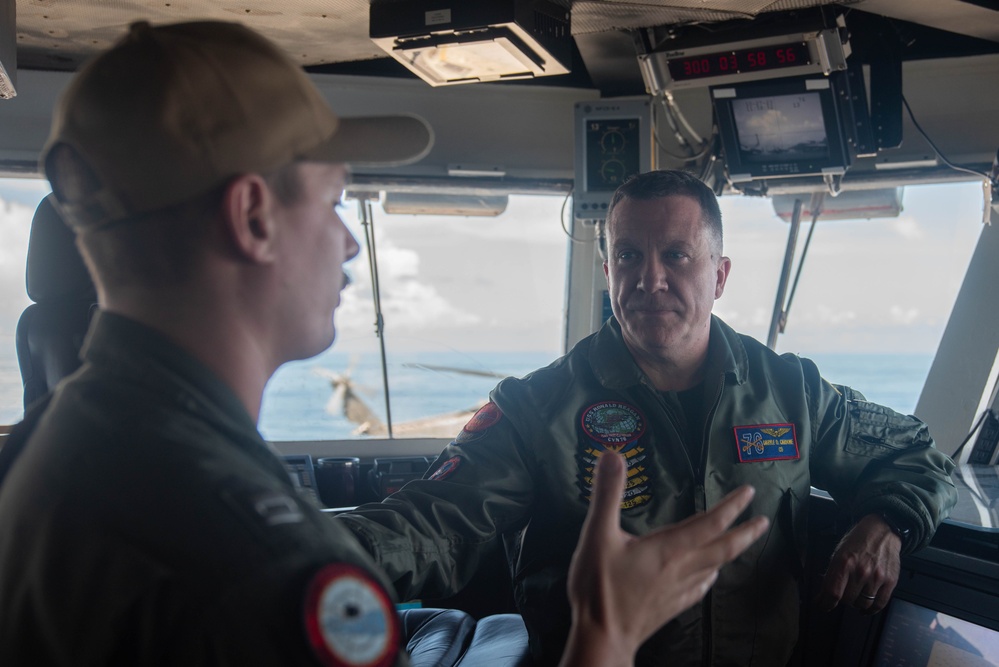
[
  {"x": 446, "y": 469},
  {"x": 486, "y": 416},
  {"x": 350, "y": 619}
]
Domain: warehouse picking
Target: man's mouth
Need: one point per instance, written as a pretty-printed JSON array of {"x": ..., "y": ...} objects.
[{"x": 650, "y": 308}]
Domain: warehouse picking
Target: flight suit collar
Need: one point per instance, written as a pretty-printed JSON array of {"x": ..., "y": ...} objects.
[
  {"x": 615, "y": 368},
  {"x": 126, "y": 347}
]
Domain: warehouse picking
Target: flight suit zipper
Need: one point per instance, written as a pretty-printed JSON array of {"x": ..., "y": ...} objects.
[
  {"x": 697, "y": 475},
  {"x": 708, "y": 647}
]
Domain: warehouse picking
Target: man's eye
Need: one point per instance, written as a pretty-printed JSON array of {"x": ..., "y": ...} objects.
[
  {"x": 627, "y": 255},
  {"x": 676, "y": 254}
]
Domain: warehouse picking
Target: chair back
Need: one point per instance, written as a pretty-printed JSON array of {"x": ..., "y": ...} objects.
[{"x": 51, "y": 330}]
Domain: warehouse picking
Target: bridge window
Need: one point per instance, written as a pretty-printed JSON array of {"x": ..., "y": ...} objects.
[{"x": 465, "y": 301}]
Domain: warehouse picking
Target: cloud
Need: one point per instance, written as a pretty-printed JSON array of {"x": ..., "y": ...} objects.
[
  {"x": 24, "y": 191},
  {"x": 15, "y": 223},
  {"x": 755, "y": 320},
  {"x": 907, "y": 228},
  {"x": 827, "y": 316},
  {"x": 900, "y": 315},
  {"x": 407, "y": 302}
]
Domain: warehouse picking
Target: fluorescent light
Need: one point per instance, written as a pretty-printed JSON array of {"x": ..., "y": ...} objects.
[
  {"x": 471, "y": 61},
  {"x": 418, "y": 203},
  {"x": 467, "y": 42},
  {"x": 909, "y": 164},
  {"x": 8, "y": 49}
]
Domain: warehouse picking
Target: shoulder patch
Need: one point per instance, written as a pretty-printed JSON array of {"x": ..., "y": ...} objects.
[
  {"x": 486, "y": 417},
  {"x": 766, "y": 442},
  {"x": 349, "y": 618},
  {"x": 446, "y": 470}
]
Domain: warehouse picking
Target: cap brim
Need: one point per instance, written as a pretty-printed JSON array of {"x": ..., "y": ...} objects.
[{"x": 377, "y": 141}]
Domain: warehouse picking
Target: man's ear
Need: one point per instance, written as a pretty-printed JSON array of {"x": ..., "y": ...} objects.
[{"x": 248, "y": 217}]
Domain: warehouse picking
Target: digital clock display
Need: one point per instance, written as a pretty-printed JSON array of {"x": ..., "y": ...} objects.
[{"x": 757, "y": 59}]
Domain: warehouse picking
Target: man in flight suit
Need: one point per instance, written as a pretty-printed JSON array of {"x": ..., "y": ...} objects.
[
  {"x": 696, "y": 410},
  {"x": 145, "y": 521}
]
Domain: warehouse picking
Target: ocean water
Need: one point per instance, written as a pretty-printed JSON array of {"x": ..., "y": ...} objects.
[
  {"x": 296, "y": 405},
  {"x": 297, "y": 402}
]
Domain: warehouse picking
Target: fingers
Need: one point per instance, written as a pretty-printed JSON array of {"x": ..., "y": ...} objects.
[
  {"x": 707, "y": 526},
  {"x": 707, "y": 538},
  {"x": 737, "y": 540},
  {"x": 853, "y": 581},
  {"x": 833, "y": 585},
  {"x": 604, "y": 514}
]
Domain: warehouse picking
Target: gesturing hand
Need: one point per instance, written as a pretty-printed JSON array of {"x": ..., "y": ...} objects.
[{"x": 623, "y": 588}]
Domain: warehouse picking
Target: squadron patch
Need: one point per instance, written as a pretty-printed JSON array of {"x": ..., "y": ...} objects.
[
  {"x": 446, "y": 469},
  {"x": 615, "y": 426},
  {"x": 766, "y": 442},
  {"x": 349, "y": 618},
  {"x": 486, "y": 416}
]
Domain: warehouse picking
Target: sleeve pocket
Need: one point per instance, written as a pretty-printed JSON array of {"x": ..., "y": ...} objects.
[{"x": 877, "y": 431}]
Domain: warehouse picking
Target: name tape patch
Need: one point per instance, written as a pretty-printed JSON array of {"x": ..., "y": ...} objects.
[{"x": 766, "y": 442}]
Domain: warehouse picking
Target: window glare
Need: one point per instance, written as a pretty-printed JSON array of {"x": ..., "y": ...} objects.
[
  {"x": 465, "y": 300},
  {"x": 487, "y": 295},
  {"x": 18, "y": 200}
]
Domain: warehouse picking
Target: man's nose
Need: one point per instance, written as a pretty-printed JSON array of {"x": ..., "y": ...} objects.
[{"x": 653, "y": 276}]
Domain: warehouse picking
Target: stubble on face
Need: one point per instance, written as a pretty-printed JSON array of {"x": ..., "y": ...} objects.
[
  {"x": 664, "y": 271},
  {"x": 319, "y": 244}
]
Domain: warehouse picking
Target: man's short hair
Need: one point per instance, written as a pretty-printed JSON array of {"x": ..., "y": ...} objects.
[
  {"x": 158, "y": 249},
  {"x": 671, "y": 183}
]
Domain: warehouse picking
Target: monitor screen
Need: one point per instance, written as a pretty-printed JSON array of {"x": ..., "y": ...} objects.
[
  {"x": 784, "y": 127},
  {"x": 916, "y": 636},
  {"x": 781, "y": 127}
]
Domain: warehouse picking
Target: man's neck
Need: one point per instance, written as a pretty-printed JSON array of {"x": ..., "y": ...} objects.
[
  {"x": 673, "y": 373},
  {"x": 211, "y": 337}
]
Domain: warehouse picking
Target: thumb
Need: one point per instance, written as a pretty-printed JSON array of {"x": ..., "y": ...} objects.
[{"x": 608, "y": 485}]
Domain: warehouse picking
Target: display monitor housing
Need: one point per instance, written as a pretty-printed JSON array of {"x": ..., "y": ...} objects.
[
  {"x": 780, "y": 128},
  {"x": 614, "y": 141}
]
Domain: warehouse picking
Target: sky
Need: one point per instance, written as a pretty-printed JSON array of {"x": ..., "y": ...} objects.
[{"x": 480, "y": 284}]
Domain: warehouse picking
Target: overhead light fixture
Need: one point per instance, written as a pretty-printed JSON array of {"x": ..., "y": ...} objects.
[
  {"x": 470, "y": 42},
  {"x": 419, "y": 203},
  {"x": 8, "y": 49},
  {"x": 849, "y": 205}
]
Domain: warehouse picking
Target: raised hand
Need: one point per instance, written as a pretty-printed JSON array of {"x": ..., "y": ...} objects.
[{"x": 623, "y": 588}]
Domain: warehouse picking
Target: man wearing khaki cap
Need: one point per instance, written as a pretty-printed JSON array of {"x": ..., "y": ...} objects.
[{"x": 145, "y": 521}]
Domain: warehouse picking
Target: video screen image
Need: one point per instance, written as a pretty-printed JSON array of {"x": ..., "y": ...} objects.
[
  {"x": 915, "y": 636},
  {"x": 781, "y": 128}
]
